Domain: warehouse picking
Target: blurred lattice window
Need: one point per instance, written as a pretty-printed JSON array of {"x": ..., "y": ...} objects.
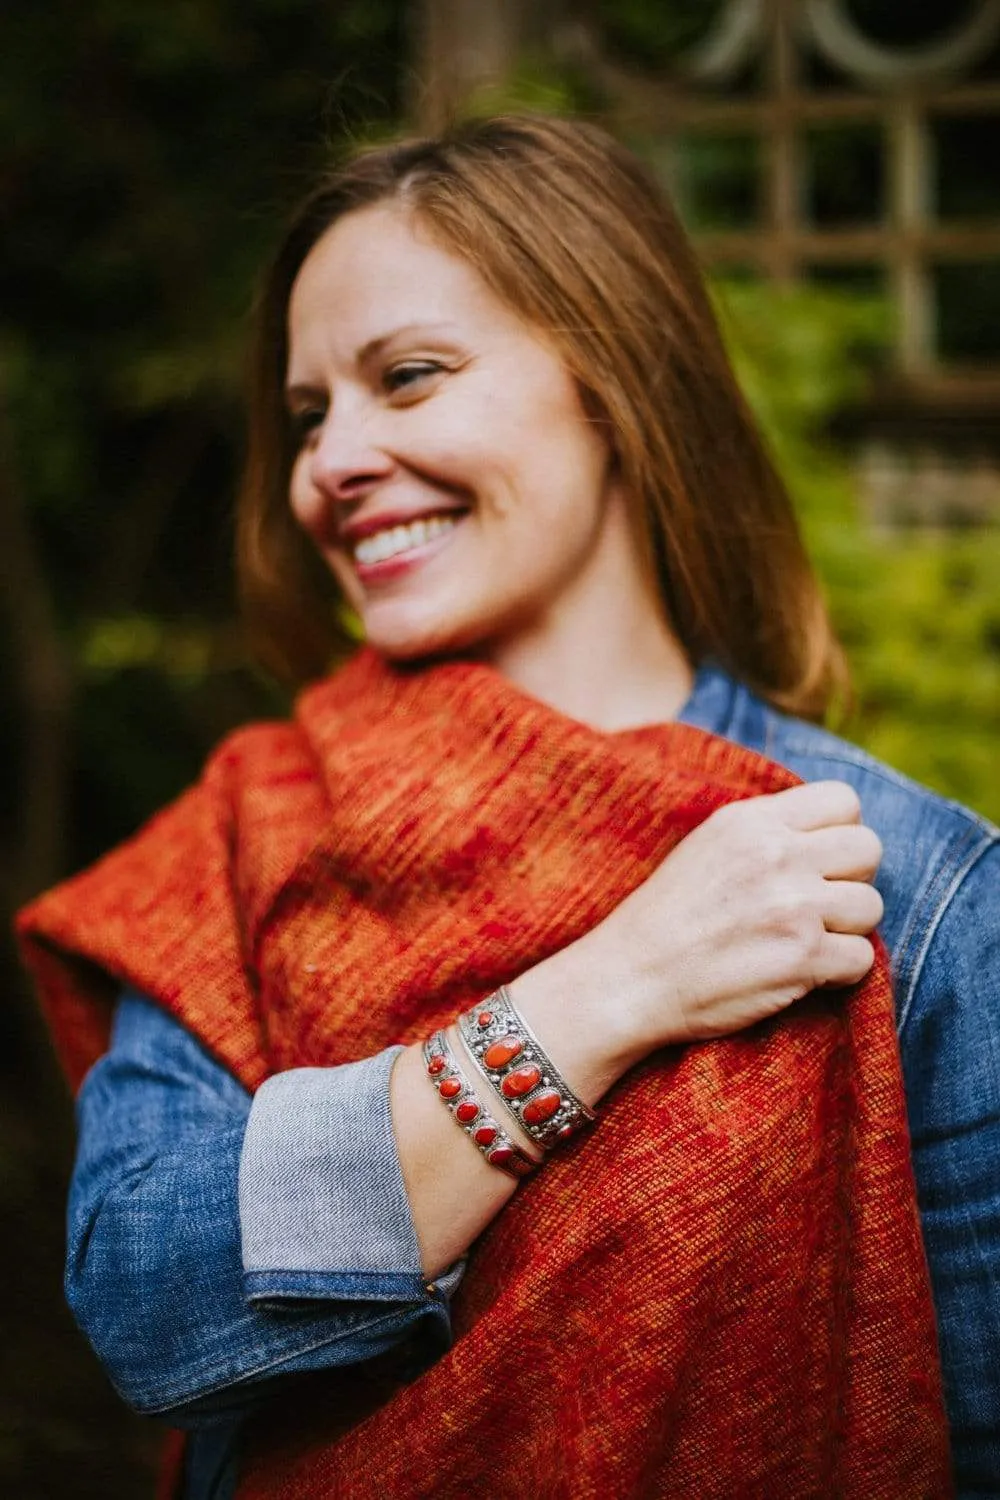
[{"x": 854, "y": 141}]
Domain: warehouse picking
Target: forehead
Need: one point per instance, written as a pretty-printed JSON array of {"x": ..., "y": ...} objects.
[{"x": 377, "y": 269}]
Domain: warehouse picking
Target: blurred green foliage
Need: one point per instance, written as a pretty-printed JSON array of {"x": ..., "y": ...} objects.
[{"x": 918, "y": 610}]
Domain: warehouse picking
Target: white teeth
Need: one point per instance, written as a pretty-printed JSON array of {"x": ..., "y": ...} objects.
[{"x": 382, "y": 545}]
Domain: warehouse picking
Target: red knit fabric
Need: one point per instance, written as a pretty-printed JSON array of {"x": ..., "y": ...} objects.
[{"x": 718, "y": 1292}]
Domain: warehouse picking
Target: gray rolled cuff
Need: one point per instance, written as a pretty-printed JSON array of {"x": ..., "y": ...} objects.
[{"x": 320, "y": 1184}]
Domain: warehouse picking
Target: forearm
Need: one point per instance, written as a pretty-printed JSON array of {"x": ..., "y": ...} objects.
[
  {"x": 189, "y": 1304},
  {"x": 167, "y": 1312}
]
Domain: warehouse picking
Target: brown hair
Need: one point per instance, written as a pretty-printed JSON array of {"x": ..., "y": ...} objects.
[{"x": 573, "y": 233}]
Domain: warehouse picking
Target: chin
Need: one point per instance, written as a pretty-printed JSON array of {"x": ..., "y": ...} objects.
[{"x": 408, "y": 639}]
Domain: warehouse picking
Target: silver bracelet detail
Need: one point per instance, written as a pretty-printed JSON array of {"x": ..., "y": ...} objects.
[
  {"x": 453, "y": 1087},
  {"x": 524, "y": 1076}
]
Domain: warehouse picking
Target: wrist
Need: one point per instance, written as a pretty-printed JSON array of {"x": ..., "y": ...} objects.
[{"x": 583, "y": 1017}]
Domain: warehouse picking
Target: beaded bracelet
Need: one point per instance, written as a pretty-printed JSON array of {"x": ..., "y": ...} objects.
[
  {"x": 513, "y": 1060},
  {"x": 453, "y": 1087}
]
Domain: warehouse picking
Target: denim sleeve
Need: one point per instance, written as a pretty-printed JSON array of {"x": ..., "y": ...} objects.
[
  {"x": 951, "y": 1058},
  {"x": 155, "y": 1273}
]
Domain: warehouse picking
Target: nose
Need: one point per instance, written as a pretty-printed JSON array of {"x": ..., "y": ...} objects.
[{"x": 346, "y": 460}]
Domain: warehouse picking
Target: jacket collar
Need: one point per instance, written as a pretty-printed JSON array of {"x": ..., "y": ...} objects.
[{"x": 721, "y": 705}]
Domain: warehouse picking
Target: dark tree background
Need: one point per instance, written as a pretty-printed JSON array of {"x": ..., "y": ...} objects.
[{"x": 153, "y": 151}]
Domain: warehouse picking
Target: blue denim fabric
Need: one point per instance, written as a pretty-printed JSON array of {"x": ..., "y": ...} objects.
[
  {"x": 163, "y": 1129},
  {"x": 155, "y": 1268}
]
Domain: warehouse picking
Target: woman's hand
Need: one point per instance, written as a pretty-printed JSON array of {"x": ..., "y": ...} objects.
[{"x": 768, "y": 899}]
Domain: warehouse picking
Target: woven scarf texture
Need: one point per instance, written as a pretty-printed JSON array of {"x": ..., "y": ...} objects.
[{"x": 720, "y": 1291}]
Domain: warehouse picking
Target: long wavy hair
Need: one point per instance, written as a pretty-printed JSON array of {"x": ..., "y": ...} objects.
[{"x": 574, "y": 234}]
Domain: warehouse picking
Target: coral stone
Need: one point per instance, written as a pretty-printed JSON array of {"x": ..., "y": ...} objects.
[
  {"x": 467, "y": 1111},
  {"x": 564, "y": 1132},
  {"x": 485, "y": 1135},
  {"x": 499, "y": 1054},
  {"x": 501, "y": 1157},
  {"x": 541, "y": 1108},
  {"x": 435, "y": 1066},
  {"x": 449, "y": 1087},
  {"x": 485, "y": 1018},
  {"x": 521, "y": 1081}
]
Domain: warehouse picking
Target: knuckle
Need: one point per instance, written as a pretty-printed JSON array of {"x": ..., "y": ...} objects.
[
  {"x": 866, "y": 956},
  {"x": 868, "y": 846},
  {"x": 857, "y": 960},
  {"x": 772, "y": 846},
  {"x": 843, "y": 799},
  {"x": 804, "y": 962},
  {"x": 844, "y": 960},
  {"x": 793, "y": 915},
  {"x": 756, "y": 843},
  {"x": 813, "y": 942}
]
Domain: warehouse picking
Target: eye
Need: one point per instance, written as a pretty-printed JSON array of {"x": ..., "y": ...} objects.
[
  {"x": 306, "y": 420},
  {"x": 410, "y": 376}
]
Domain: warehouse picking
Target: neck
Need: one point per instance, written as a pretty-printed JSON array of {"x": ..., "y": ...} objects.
[
  {"x": 606, "y": 657},
  {"x": 610, "y": 689}
]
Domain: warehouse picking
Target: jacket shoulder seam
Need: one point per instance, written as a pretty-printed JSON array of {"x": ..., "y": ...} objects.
[
  {"x": 854, "y": 755},
  {"x": 916, "y": 965}
]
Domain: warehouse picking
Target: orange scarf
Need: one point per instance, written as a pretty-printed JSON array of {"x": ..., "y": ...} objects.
[{"x": 720, "y": 1291}]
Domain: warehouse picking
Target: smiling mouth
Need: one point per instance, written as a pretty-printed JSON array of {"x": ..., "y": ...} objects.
[{"x": 395, "y": 540}]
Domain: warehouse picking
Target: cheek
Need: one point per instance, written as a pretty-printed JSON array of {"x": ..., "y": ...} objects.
[
  {"x": 307, "y": 505},
  {"x": 561, "y": 472},
  {"x": 301, "y": 502},
  {"x": 308, "y": 513}
]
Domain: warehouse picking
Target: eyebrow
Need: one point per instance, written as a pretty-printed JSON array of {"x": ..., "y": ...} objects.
[
  {"x": 373, "y": 348},
  {"x": 405, "y": 330}
]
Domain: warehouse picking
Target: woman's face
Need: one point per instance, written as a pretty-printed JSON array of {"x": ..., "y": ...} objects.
[{"x": 446, "y": 470}]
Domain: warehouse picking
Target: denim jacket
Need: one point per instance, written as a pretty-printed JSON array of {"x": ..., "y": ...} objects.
[{"x": 216, "y": 1245}]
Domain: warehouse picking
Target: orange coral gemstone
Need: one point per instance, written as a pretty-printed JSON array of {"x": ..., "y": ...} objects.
[
  {"x": 435, "y": 1066},
  {"x": 467, "y": 1111},
  {"x": 541, "y": 1108},
  {"x": 501, "y": 1156},
  {"x": 499, "y": 1054},
  {"x": 485, "y": 1017},
  {"x": 485, "y": 1135},
  {"x": 521, "y": 1081},
  {"x": 449, "y": 1087}
]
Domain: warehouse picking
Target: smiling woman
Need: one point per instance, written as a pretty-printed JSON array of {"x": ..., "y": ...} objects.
[
  {"x": 602, "y": 283},
  {"x": 470, "y": 1055}
]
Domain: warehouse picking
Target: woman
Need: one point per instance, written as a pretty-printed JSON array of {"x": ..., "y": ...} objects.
[{"x": 492, "y": 399}]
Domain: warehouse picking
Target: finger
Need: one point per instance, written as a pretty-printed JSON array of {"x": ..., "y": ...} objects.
[
  {"x": 851, "y": 906},
  {"x": 845, "y": 959},
  {"x": 818, "y": 804},
  {"x": 849, "y": 851}
]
